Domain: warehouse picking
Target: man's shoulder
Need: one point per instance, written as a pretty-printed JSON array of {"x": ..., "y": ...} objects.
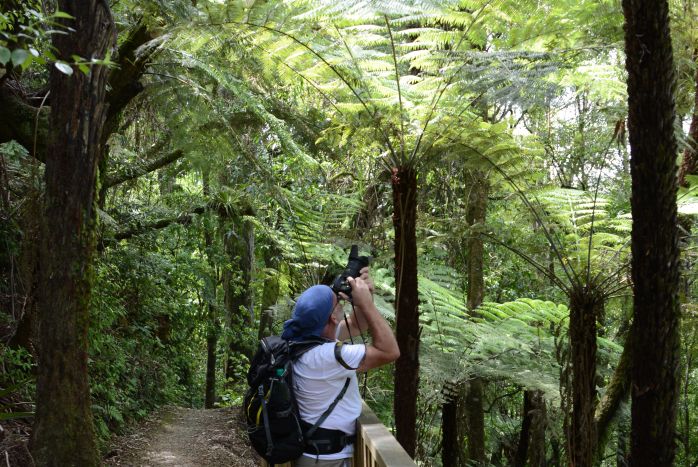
[{"x": 325, "y": 353}]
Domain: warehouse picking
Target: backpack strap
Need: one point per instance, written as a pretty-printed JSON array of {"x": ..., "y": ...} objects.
[
  {"x": 309, "y": 434},
  {"x": 338, "y": 356}
]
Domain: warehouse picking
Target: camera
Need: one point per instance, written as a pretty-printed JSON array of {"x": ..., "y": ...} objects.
[{"x": 353, "y": 269}]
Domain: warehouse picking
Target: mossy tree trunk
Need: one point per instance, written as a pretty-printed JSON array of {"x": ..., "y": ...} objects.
[
  {"x": 63, "y": 432},
  {"x": 655, "y": 239},
  {"x": 238, "y": 241},
  {"x": 404, "y": 184}
]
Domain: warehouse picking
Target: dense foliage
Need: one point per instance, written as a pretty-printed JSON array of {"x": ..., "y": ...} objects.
[{"x": 253, "y": 142}]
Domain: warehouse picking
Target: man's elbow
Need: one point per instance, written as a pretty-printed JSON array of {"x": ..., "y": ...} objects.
[{"x": 394, "y": 354}]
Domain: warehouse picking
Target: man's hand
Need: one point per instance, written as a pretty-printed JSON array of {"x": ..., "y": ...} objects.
[
  {"x": 366, "y": 277},
  {"x": 361, "y": 291}
]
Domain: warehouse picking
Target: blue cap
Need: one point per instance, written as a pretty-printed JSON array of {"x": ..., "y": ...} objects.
[{"x": 310, "y": 315}]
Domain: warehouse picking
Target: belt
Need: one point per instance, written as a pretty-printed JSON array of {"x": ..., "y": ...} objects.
[{"x": 325, "y": 441}]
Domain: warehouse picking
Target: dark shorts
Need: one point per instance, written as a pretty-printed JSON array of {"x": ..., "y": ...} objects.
[{"x": 305, "y": 461}]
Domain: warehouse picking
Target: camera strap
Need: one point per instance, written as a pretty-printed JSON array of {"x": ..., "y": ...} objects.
[{"x": 351, "y": 339}]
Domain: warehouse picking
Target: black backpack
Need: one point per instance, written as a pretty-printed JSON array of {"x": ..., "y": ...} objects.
[{"x": 271, "y": 412}]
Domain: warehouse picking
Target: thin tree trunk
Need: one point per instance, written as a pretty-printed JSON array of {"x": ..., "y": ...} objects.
[
  {"x": 475, "y": 216},
  {"x": 617, "y": 391},
  {"x": 525, "y": 433},
  {"x": 404, "y": 184},
  {"x": 270, "y": 292},
  {"x": 453, "y": 424},
  {"x": 210, "y": 294},
  {"x": 211, "y": 347},
  {"x": 63, "y": 432},
  {"x": 689, "y": 164},
  {"x": 655, "y": 250}
]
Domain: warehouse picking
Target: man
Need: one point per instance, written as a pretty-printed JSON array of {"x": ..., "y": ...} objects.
[{"x": 319, "y": 375}]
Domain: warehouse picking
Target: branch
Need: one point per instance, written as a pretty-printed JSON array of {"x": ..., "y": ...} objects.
[
  {"x": 132, "y": 60},
  {"x": 17, "y": 117},
  {"x": 17, "y": 123},
  {"x": 139, "y": 171},
  {"x": 618, "y": 389},
  {"x": 183, "y": 219}
]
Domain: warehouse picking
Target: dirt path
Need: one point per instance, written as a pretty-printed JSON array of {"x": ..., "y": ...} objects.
[{"x": 176, "y": 436}]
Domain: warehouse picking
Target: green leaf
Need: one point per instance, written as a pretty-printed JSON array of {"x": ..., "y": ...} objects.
[
  {"x": 19, "y": 56},
  {"x": 5, "y": 55},
  {"x": 62, "y": 14},
  {"x": 64, "y": 68}
]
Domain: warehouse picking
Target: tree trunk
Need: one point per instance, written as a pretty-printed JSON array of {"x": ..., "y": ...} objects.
[
  {"x": 270, "y": 292},
  {"x": 655, "y": 250},
  {"x": 536, "y": 446},
  {"x": 689, "y": 164},
  {"x": 211, "y": 347},
  {"x": 238, "y": 242},
  {"x": 210, "y": 298},
  {"x": 525, "y": 433},
  {"x": 585, "y": 307},
  {"x": 63, "y": 433},
  {"x": 404, "y": 184},
  {"x": 475, "y": 216},
  {"x": 453, "y": 426}
]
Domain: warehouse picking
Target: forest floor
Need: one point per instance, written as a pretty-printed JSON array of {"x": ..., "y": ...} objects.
[{"x": 175, "y": 436}]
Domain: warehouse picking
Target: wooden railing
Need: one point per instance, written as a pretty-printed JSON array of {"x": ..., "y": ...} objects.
[{"x": 375, "y": 445}]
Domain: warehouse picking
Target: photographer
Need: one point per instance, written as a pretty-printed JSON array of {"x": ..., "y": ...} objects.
[{"x": 326, "y": 374}]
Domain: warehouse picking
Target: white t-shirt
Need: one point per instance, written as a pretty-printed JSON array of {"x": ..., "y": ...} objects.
[{"x": 318, "y": 378}]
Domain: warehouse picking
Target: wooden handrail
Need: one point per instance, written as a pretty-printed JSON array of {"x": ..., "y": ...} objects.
[{"x": 375, "y": 445}]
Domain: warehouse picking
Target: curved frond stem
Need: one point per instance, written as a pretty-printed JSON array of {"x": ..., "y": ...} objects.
[
  {"x": 440, "y": 91},
  {"x": 614, "y": 275},
  {"x": 399, "y": 91},
  {"x": 553, "y": 278},
  {"x": 331, "y": 67},
  {"x": 458, "y": 119},
  {"x": 613, "y": 292},
  {"x": 593, "y": 209},
  {"x": 312, "y": 83},
  {"x": 569, "y": 272},
  {"x": 612, "y": 258},
  {"x": 204, "y": 95}
]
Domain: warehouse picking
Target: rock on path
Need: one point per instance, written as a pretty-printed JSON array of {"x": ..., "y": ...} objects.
[{"x": 175, "y": 436}]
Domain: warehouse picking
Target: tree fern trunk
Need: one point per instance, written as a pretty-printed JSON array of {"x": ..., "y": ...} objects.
[
  {"x": 63, "y": 432},
  {"x": 453, "y": 425},
  {"x": 585, "y": 307},
  {"x": 536, "y": 445},
  {"x": 475, "y": 216},
  {"x": 655, "y": 251},
  {"x": 404, "y": 184}
]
